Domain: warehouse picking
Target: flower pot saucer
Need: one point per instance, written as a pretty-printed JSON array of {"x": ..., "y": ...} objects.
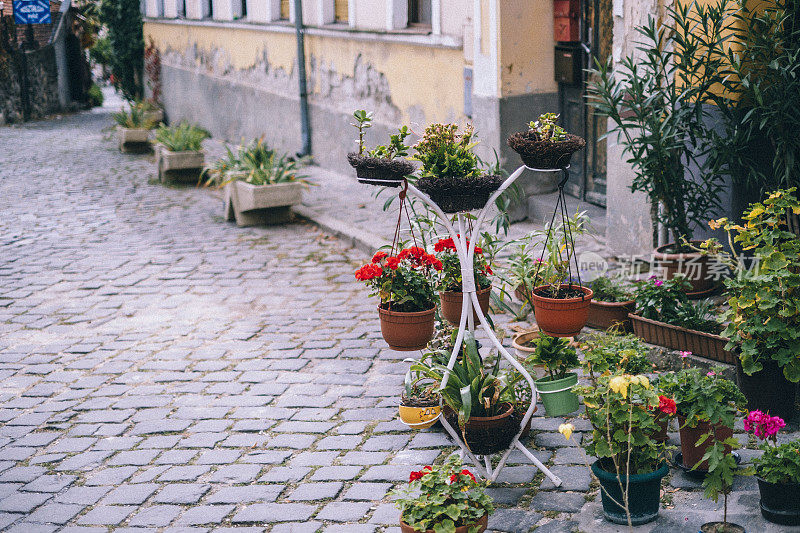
[{"x": 677, "y": 461}]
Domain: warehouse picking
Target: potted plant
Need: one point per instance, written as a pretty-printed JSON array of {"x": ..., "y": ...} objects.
[
  {"x": 558, "y": 358},
  {"x": 611, "y": 304},
  {"x": 260, "y": 185},
  {"x": 384, "y": 165},
  {"x": 451, "y": 296},
  {"x": 706, "y": 404},
  {"x": 665, "y": 316},
  {"x": 545, "y": 145},
  {"x": 659, "y": 110},
  {"x": 443, "y": 498},
  {"x": 473, "y": 398},
  {"x": 718, "y": 480},
  {"x": 179, "y": 152},
  {"x": 777, "y": 471},
  {"x": 405, "y": 287},
  {"x": 630, "y": 462},
  {"x": 133, "y": 129},
  {"x": 764, "y": 303},
  {"x": 518, "y": 393},
  {"x": 560, "y": 304},
  {"x": 420, "y": 402},
  {"x": 451, "y": 173}
]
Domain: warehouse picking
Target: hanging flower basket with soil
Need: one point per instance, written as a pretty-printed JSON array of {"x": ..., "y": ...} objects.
[
  {"x": 407, "y": 332},
  {"x": 380, "y": 171},
  {"x": 457, "y": 194},
  {"x": 487, "y": 435},
  {"x": 677, "y": 338},
  {"x": 544, "y": 154},
  {"x": 565, "y": 316}
]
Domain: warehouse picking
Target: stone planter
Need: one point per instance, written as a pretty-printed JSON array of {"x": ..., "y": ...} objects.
[
  {"x": 678, "y": 338},
  {"x": 251, "y": 205},
  {"x": 179, "y": 167},
  {"x": 133, "y": 140}
]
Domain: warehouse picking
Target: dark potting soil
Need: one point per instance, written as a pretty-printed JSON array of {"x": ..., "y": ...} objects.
[
  {"x": 536, "y": 153},
  {"x": 456, "y": 194},
  {"x": 561, "y": 294},
  {"x": 404, "y": 308},
  {"x": 721, "y": 527},
  {"x": 380, "y": 169},
  {"x": 419, "y": 401}
]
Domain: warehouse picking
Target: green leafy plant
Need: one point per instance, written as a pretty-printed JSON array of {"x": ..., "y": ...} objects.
[
  {"x": 612, "y": 290},
  {"x": 418, "y": 390},
  {"x": 559, "y": 259},
  {"x": 95, "y": 95},
  {"x": 396, "y": 146},
  {"x": 764, "y": 301},
  {"x": 363, "y": 121},
  {"x": 666, "y": 301},
  {"x": 444, "y": 152},
  {"x": 123, "y": 20},
  {"x": 556, "y": 354},
  {"x": 659, "y": 102},
  {"x": 703, "y": 397},
  {"x": 442, "y": 498},
  {"x": 608, "y": 352},
  {"x": 134, "y": 118},
  {"x": 759, "y": 147},
  {"x": 254, "y": 163},
  {"x": 546, "y": 128},
  {"x": 403, "y": 282},
  {"x": 184, "y": 137},
  {"x": 470, "y": 390}
]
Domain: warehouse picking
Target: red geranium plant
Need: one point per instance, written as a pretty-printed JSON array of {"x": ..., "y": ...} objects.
[
  {"x": 404, "y": 282},
  {"x": 443, "y": 497},
  {"x": 450, "y": 278}
]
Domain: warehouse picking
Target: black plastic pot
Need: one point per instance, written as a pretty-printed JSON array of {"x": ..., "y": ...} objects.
[
  {"x": 644, "y": 494},
  {"x": 768, "y": 390},
  {"x": 780, "y": 502}
]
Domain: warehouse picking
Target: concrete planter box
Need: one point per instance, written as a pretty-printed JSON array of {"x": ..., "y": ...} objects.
[
  {"x": 133, "y": 140},
  {"x": 252, "y": 205},
  {"x": 180, "y": 167}
]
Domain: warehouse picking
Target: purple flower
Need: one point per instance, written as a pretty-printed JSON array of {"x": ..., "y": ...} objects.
[{"x": 658, "y": 282}]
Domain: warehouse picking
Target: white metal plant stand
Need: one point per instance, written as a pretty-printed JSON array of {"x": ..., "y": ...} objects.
[{"x": 466, "y": 256}]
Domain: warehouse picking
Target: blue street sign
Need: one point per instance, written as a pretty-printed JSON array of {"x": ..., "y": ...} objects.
[{"x": 32, "y": 12}]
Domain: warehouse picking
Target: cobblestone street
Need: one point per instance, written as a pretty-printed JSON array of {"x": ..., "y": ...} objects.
[{"x": 163, "y": 370}]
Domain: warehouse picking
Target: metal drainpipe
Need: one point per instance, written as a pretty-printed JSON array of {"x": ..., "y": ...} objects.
[{"x": 305, "y": 125}]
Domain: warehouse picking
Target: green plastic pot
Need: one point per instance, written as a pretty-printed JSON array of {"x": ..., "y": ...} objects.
[
  {"x": 644, "y": 492},
  {"x": 557, "y": 396}
]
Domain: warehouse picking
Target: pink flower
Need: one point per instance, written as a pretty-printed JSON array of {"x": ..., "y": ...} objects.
[
  {"x": 684, "y": 355},
  {"x": 658, "y": 282},
  {"x": 763, "y": 425},
  {"x": 711, "y": 374}
]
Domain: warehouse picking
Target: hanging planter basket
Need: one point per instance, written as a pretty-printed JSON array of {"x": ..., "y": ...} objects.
[
  {"x": 562, "y": 317},
  {"x": 406, "y": 332},
  {"x": 379, "y": 171},
  {"x": 539, "y": 154},
  {"x": 456, "y": 194}
]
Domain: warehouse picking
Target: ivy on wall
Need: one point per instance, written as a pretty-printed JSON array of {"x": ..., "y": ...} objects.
[{"x": 123, "y": 20}]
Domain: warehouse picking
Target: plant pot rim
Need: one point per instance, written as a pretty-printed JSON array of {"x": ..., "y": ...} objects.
[
  {"x": 667, "y": 256},
  {"x": 605, "y": 475},
  {"x": 165, "y": 149},
  {"x": 722, "y": 523},
  {"x": 793, "y": 484},
  {"x": 587, "y": 293},
  {"x": 634, "y": 316},
  {"x": 529, "y": 335},
  {"x": 477, "y": 291},
  {"x": 433, "y": 403},
  {"x": 505, "y": 414},
  {"x": 568, "y": 377},
  {"x": 406, "y": 313}
]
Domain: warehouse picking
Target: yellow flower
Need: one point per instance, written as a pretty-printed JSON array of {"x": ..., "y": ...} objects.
[
  {"x": 619, "y": 384},
  {"x": 566, "y": 430}
]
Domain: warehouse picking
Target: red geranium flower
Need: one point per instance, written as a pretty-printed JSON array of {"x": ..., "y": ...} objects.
[
  {"x": 466, "y": 472},
  {"x": 478, "y": 250},
  {"x": 368, "y": 272},
  {"x": 444, "y": 244},
  {"x": 378, "y": 256},
  {"x": 413, "y": 476},
  {"x": 667, "y": 405},
  {"x": 393, "y": 262}
]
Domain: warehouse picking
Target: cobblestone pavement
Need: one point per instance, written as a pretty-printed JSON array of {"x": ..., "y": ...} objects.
[{"x": 162, "y": 370}]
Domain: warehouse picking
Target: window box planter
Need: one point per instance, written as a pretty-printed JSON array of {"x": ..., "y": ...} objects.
[
  {"x": 251, "y": 205},
  {"x": 180, "y": 167},
  {"x": 644, "y": 493},
  {"x": 603, "y": 315},
  {"x": 451, "y": 302},
  {"x": 133, "y": 140},
  {"x": 677, "y": 338}
]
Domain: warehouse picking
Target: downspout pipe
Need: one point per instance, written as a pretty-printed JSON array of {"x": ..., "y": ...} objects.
[
  {"x": 305, "y": 124},
  {"x": 62, "y": 65}
]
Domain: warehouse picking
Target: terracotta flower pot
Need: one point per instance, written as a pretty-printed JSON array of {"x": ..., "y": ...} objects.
[
  {"x": 693, "y": 454},
  {"x": 451, "y": 304},
  {"x": 482, "y": 522},
  {"x": 406, "y": 332},
  {"x": 562, "y": 317},
  {"x": 419, "y": 417},
  {"x": 603, "y": 315},
  {"x": 663, "y": 427},
  {"x": 694, "y": 265}
]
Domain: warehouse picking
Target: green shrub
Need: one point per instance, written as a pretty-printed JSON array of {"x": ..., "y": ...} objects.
[
  {"x": 95, "y": 96},
  {"x": 123, "y": 19},
  {"x": 134, "y": 118},
  {"x": 184, "y": 137},
  {"x": 254, "y": 163}
]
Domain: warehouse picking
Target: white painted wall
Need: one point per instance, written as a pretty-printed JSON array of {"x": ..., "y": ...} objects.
[
  {"x": 197, "y": 9},
  {"x": 227, "y": 9},
  {"x": 263, "y": 10}
]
